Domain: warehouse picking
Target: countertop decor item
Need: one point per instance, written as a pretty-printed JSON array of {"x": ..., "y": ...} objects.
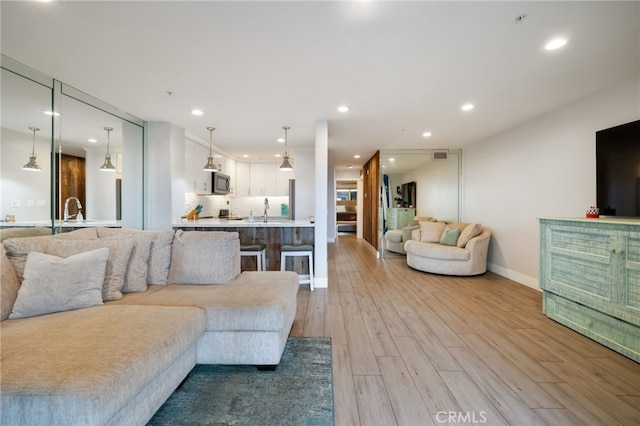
[{"x": 593, "y": 212}]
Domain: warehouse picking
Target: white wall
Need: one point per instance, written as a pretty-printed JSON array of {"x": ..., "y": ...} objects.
[
  {"x": 542, "y": 168},
  {"x": 100, "y": 203},
  {"x": 165, "y": 181}
]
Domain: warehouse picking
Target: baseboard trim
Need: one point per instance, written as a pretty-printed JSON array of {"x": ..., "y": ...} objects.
[
  {"x": 515, "y": 276},
  {"x": 320, "y": 282}
]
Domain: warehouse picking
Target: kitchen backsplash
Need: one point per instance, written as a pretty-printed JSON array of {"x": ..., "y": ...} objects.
[{"x": 237, "y": 206}]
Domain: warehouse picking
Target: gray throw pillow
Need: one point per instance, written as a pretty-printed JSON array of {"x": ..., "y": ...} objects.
[
  {"x": 119, "y": 251},
  {"x": 53, "y": 284}
]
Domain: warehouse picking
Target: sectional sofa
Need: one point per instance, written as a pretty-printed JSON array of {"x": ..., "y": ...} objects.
[{"x": 99, "y": 326}]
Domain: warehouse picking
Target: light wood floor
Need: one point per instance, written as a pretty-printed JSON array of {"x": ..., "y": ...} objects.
[{"x": 411, "y": 348}]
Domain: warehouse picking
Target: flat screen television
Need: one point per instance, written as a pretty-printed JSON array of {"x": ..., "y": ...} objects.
[{"x": 618, "y": 170}]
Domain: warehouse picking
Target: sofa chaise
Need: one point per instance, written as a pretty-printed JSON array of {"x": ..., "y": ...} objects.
[{"x": 100, "y": 326}]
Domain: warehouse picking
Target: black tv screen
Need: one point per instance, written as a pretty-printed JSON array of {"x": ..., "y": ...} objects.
[{"x": 618, "y": 170}]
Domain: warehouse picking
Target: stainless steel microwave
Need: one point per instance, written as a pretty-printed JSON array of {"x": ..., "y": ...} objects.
[{"x": 221, "y": 183}]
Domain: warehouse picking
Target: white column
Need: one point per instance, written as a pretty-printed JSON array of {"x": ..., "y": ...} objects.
[
  {"x": 165, "y": 175},
  {"x": 321, "y": 200}
]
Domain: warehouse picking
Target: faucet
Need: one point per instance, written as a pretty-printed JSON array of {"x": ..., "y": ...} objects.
[
  {"x": 266, "y": 207},
  {"x": 66, "y": 208}
]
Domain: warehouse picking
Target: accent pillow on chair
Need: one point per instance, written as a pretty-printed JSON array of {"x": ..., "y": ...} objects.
[
  {"x": 450, "y": 236},
  {"x": 430, "y": 232},
  {"x": 54, "y": 284},
  {"x": 469, "y": 232}
]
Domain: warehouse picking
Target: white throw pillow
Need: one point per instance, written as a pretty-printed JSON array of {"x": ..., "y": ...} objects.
[
  {"x": 53, "y": 284},
  {"x": 430, "y": 232},
  {"x": 119, "y": 251},
  {"x": 205, "y": 257},
  {"x": 470, "y": 231}
]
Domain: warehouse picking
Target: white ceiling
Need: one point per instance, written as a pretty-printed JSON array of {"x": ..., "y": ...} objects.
[{"x": 402, "y": 67}]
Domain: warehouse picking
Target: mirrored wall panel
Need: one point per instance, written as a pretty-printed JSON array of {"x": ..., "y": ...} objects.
[
  {"x": 418, "y": 183},
  {"x": 68, "y": 160}
]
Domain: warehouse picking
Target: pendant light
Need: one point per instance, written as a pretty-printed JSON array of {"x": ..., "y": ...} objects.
[
  {"x": 107, "y": 166},
  {"x": 210, "y": 166},
  {"x": 32, "y": 165},
  {"x": 286, "y": 165}
]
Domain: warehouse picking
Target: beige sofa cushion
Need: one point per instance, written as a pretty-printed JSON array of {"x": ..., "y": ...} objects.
[
  {"x": 255, "y": 301},
  {"x": 9, "y": 285},
  {"x": 394, "y": 236},
  {"x": 204, "y": 257},
  {"x": 135, "y": 278},
  {"x": 469, "y": 232},
  {"x": 6, "y": 233},
  {"x": 159, "y": 259},
  {"x": 119, "y": 350},
  {"x": 437, "y": 251},
  {"x": 19, "y": 248},
  {"x": 430, "y": 232},
  {"x": 119, "y": 251},
  {"x": 54, "y": 284}
]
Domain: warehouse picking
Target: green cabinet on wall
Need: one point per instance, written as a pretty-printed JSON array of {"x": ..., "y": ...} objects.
[
  {"x": 590, "y": 276},
  {"x": 398, "y": 218}
]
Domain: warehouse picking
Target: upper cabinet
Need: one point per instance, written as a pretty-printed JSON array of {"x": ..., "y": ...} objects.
[
  {"x": 195, "y": 158},
  {"x": 261, "y": 180}
]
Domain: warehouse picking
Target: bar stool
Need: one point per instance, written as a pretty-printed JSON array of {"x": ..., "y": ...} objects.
[
  {"x": 287, "y": 250},
  {"x": 257, "y": 250}
]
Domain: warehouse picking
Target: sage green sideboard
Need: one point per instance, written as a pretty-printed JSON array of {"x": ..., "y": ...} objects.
[{"x": 590, "y": 277}]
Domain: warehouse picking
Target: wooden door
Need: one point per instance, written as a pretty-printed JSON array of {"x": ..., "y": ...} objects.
[{"x": 70, "y": 179}]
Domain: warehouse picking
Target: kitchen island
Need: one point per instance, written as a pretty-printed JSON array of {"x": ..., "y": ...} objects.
[{"x": 275, "y": 232}]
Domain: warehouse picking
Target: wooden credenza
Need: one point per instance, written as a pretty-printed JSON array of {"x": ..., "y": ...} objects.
[
  {"x": 398, "y": 218},
  {"x": 590, "y": 277}
]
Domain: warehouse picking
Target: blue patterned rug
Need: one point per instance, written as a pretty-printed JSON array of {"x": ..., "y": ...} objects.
[{"x": 299, "y": 392}]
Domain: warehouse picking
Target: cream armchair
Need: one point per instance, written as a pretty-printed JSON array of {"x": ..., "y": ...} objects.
[
  {"x": 467, "y": 255},
  {"x": 394, "y": 239}
]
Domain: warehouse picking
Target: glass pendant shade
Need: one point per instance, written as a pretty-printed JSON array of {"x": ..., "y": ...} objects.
[
  {"x": 32, "y": 165},
  {"x": 286, "y": 165},
  {"x": 210, "y": 166}
]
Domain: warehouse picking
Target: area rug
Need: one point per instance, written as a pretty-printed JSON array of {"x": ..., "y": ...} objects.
[{"x": 299, "y": 392}]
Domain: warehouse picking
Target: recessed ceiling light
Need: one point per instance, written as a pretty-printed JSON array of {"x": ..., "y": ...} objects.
[
  {"x": 350, "y": 166},
  {"x": 356, "y": 156},
  {"x": 281, "y": 140},
  {"x": 343, "y": 108},
  {"x": 277, "y": 155},
  {"x": 426, "y": 135},
  {"x": 52, "y": 113},
  {"x": 245, "y": 156},
  {"x": 197, "y": 112},
  {"x": 468, "y": 107},
  {"x": 392, "y": 159},
  {"x": 92, "y": 140},
  {"x": 556, "y": 43}
]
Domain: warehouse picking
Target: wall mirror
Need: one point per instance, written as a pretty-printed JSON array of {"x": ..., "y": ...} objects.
[
  {"x": 428, "y": 180},
  {"x": 70, "y": 148}
]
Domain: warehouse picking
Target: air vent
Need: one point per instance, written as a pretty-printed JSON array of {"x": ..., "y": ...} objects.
[{"x": 440, "y": 155}]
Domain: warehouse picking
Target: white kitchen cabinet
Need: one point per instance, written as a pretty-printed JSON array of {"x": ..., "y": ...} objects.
[
  {"x": 263, "y": 179},
  {"x": 195, "y": 158},
  {"x": 243, "y": 179}
]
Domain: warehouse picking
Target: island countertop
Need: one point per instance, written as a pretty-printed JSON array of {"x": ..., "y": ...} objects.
[{"x": 243, "y": 223}]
